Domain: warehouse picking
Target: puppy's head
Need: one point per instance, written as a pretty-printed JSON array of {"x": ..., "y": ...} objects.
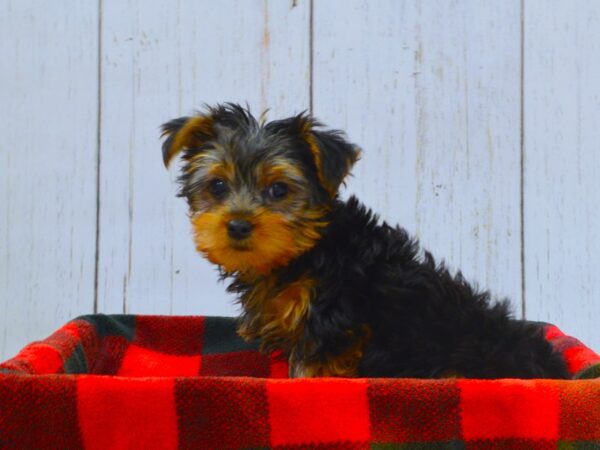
[{"x": 258, "y": 192}]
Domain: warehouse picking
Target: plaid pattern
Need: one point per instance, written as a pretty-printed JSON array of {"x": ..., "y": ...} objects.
[{"x": 190, "y": 382}]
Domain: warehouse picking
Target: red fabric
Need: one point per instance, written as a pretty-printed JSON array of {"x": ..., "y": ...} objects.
[
  {"x": 156, "y": 364},
  {"x": 122, "y": 382},
  {"x": 400, "y": 414},
  {"x": 222, "y": 413},
  {"x": 578, "y": 358},
  {"x": 39, "y": 412},
  {"x": 509, "y": 409},
  {"x": 329, "y": 410},
  {"x": 279, "y": 367},
  {"x": 123, "y": 413},
  {"x": 42, "y": 359}
]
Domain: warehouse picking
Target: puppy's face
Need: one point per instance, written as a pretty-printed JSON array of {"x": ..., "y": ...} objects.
[{"x": 258, "y": 193}]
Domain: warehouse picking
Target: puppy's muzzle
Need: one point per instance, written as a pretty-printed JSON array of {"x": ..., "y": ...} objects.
[{"x": 239, "y": 229}]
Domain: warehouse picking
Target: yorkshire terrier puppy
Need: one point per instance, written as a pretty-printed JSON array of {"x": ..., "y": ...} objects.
[{"x": 324, "y": 281}]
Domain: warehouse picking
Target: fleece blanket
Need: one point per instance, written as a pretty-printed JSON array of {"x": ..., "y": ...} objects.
[{"x": 156, "y": 382}]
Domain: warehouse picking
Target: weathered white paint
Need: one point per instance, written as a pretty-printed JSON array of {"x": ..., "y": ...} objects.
[
  {"x": 48, "y": 108},
  {"x": 436, "y": 109},
  {"x": 165, "y": 62},
  {"x": 562, "y": 165},
  {"x": 431, "y": 90}
]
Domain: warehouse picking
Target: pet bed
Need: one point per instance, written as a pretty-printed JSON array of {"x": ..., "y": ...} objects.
[{"x": 157, "y": 382}]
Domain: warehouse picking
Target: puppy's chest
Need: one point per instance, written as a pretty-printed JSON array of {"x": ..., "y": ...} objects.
[
  {"x": 288, "y": 307},
  {"x": 275, "y": 312},
  {"x": 280, "y": 316}
]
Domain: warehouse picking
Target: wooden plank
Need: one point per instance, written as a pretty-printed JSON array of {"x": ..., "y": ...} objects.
[
  {"x": 562, "y": 187},
  {"x": 161, "y": 61},
  {"x": 48, "y": 87},
  {"x": 431, "y": 92}
]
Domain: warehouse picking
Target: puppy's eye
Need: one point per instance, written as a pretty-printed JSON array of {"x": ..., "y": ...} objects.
[
  {"x": 278, "y": 190},
  {"x": 217, "y": 187}
]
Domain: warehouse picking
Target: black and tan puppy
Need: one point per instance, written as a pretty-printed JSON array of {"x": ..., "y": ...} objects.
[{"x": 322, "y": 280}]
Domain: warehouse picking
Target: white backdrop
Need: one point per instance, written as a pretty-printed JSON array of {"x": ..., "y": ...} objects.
[{"x": 479, "y": 122}]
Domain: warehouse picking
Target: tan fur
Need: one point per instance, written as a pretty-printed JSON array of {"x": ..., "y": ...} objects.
[
  {"x": 277, "y": 314},
  {"x": 316, "y": 152},
  {"x": 344, "y": 365},
  {"x": 310, "y": 139},
  {"x": 274, "y": 242},
  {"x": 186, "y": 136}
]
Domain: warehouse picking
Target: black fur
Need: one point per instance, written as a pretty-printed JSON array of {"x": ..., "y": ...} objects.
[
  {"x": 337, "y": 155},
  {"x": 424, "y": 322}
]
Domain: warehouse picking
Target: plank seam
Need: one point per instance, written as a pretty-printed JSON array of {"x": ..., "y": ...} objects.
[
  {"x": 311, "y": 51},
  {"x": 522, "y": 162},
  {"x": 98, "y": 155}
]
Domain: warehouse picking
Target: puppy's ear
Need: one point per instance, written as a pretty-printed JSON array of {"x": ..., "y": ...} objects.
[
  {"x": 332, "y": 154},
  {"x": 185, "y": 132}
]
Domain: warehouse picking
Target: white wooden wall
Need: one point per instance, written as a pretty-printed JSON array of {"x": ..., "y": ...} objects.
[{"x": 479, "y": 122}]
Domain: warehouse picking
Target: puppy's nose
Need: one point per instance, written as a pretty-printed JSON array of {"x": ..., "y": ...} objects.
[{"x": 239, "y": 229}]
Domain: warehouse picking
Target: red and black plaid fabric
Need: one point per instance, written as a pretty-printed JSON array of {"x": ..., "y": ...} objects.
[{"x": 154, "y": 382}]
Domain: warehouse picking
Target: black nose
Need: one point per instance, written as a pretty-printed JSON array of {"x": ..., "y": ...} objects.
[{"x": 239, "y": 229}]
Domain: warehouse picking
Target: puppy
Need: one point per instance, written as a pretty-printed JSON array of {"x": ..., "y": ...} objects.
[{"x": 323, "y": 281}]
